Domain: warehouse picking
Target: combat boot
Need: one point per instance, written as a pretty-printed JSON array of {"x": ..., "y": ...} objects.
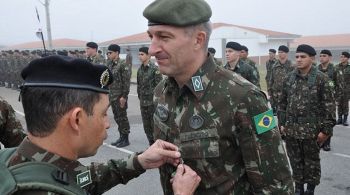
[
  {"x": 310, "y": 189},
  {"x": 124, "y": 141},
  {"x": 299, "y": 189},
  {"x": 340, "y": 120},
  {"x": 345, "y": 121},
  {"x": 116, "y": 142}
]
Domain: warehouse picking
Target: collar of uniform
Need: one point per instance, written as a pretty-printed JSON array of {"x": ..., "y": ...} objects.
[
  {"x": 33, "y": 152},
  {"x": 313, "y": 68},
  {"x": 204, "y": 72},
  {"x": 237, "y": 67}
]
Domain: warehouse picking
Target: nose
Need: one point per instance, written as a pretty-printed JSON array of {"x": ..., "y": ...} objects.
[{"x": 154, "y": 48}]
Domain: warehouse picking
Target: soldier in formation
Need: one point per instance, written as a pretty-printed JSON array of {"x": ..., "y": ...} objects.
[
  {"x": 92, "y": 54},
  {"x": 269, "y": 65},
  {"x": 244, "y": 57},
  {"x": 343, "y": 104}
]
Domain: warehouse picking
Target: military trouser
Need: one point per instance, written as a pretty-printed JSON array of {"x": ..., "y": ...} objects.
[
  {"x": 343, "y": 106},
  {"x": 120, "y": 116},
  {"x": 304, "y": 156},
  {"x": 147, "y": 120}
]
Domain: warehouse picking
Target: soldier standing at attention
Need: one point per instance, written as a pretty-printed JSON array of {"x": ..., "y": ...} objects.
[
  {"x": 11, "y": 130},
  {"x": 70, "y": 123},
  {"x": 92, "y": 55},
  {"x": 235, "y": 64},
  {"x": 279, "y": 72},
  {"x": 343, "y": 105},
  {"x": 220, "y": 121},
  {"x": 336, "y": 76},
  {"x": 269, "y": 65},
  {"x": 148, "y": 77},
  {"x": 120, "y": 89},
  {"x": 212, "y": 52},
  {"x": 244, "y": 56},
  {"x": 307, "y": 117}
]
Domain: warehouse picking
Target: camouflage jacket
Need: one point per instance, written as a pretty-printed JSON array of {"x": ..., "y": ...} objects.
[
  {"x": 211, "y": 120},
  {"x": 148, "y": 77},
  {"x": 218, "y": 62},
  {"x": 246, "y": 71},
  {"x": 11, "y": 131},
  {"x": 307, "y": 104},
  {"x": 278, "y": 74},
  {"x": 97, "y": 59},
  {"x": 121, "y": 75},
  {"x": 346, "y": 74},
  {"x": 269, "y": 66},
  {"x": 101, "y": 178},
  {"x": 254, "y": 66},
  {"x": 335, "y": 74}
]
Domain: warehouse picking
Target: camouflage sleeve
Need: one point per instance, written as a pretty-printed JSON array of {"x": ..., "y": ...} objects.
[
  {"x": 138, "y": 81},
  {"x": 157, "y": 78},
  {"x": 270, "y": 83},
  {"x": 125, "y": 79},
  {"x": 264, "y": 156},
  {"x": 339, "y": 84},
  {"x": 116, "y": 172},
  {"x": 255, "y": 77},
  {"x": 282, "y": 104},
  {"x": 11, "y": 130},
  {"x": 328, "y": 108}
]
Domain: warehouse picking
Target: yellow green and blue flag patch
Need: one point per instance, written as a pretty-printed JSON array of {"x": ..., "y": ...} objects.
[{"x": 264, "y": 122}]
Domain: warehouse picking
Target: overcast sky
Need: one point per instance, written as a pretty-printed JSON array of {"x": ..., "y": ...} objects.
[{"x": 102, "y": 20}]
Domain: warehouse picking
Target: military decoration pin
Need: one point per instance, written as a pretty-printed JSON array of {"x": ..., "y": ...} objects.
[
  {"x": 104, "y": 78},
  {"x": 84, "y": 178},
  {"x": 197, "y": 83}
]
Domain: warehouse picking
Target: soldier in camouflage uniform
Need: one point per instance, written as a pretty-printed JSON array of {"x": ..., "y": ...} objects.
[
  {"x": 307, "y": 116},
  {"x": 83, "y": 101},
  {"x": 244, "y": 57},
  {"x": 148, "y": 77},
  {"x": 11, "y": 131},
  {"x": 343, "y": 104},
  {"x": 278, "y": 74},
  {"x": 336, "y": 76},
  {"x": 119, "y": 93},
  {"x": 235, "y": 64},
  {"x": 269, "y": 65},
  {"x": 92, "y": 55},
  {"x": 220, "y": 121},
  {"x": 212, "y": 52}
]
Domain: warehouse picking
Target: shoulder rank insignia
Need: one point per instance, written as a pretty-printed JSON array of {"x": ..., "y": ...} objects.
[
  {"x": 197, "y": 83},
  {"x": 84, "y": 178},
  {"x": 264, "y": 122}
]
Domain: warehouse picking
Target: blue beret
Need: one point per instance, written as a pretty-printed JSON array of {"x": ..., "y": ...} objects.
[
  {"x": 306, "y": 49},
  {"x": 67, "y": 72},
  {"x": 234, "y": 45},
  {"x": 177, "y": 12},
  {"x": 283, "y": 48},
  {"x": 326, "y": 51},
  {"x": 92, "y": 45}
]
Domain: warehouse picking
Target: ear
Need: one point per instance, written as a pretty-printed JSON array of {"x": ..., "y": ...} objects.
[
  {"x": 76, "y": 119},
  {"x": 200, "y": 39}
]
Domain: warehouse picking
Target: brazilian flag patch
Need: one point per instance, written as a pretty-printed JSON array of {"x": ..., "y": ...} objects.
[{"x": 264, "y": 122}]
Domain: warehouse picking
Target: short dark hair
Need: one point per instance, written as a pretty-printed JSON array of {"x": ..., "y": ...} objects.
[{"x": 44, "y": 106}]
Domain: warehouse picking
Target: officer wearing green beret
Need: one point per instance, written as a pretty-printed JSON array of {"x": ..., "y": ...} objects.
[
  {"x": 220, "y": 121},
  {"x": 67, "y": 119}
]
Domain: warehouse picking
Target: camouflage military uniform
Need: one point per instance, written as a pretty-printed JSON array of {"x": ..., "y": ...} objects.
[
  {"x": 210, "y": 119},
  {"x": 148, "y": 77},
  {"x": 11, "y": 131},
  {"x": 269, "y": 66},
  {"x": 253, "y": 65},
  {"x": 306, "y": 108},
  {"x": 246, "y": 71},
  {"x": 120, "y": 88},
  {"x": 103, "y": 176},
  {"x": 343, "y": 104},
  {"x": 97, "y": 59},
  {"x": 217, "y": 62},
  {"x": 278, "y": 74}
]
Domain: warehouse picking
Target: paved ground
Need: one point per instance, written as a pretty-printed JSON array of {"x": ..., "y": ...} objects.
[{"x": 335, "y": 164}]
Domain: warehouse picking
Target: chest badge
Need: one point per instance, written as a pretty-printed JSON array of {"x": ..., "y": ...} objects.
[
  {"x": 197, "y": 83},
  {"x": 196, "y": 122},
  {"x": 84, "y": 178},
  {"x": 162, "y": 113}
]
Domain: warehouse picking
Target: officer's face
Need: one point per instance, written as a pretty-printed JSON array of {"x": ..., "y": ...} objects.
[
  {"x": 303, "y": 60},
  {"x": 172, "y": 48},
  {"x": 95, "y": 126},
  {"x": 243, "y": 54},
  {"x": 112, "y": 55},
  {"x": 343, "y": 59},
  {"x": 90, "y": 51},
  {"x": 143, "y": 57},
  {"x": 231, "y": 55},
  {"x": 324, "y": 58}
]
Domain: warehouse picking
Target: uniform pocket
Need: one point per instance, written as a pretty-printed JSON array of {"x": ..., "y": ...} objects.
[{"x": 160, "y": 129}]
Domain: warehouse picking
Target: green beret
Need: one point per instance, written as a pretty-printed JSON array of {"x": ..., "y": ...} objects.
[{"x": 177, "y": 12}]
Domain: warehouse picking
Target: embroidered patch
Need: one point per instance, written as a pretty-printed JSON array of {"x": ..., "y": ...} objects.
[
  {"x": 104, "y": 78},
  {"x": 162, "y": 112},
  {"x": 264, "y": 122},
  {"x": 196, "y": 122},
  {"x": 197, "y": 83},
  {"x": 84, "y": 178}
]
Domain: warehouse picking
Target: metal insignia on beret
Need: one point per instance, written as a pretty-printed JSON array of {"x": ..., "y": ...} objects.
[
  {"x": 331, "y": 83},
  {"x": 104, "y": 78},
  {"x": 196, "y": 122},
  {"x": 163, "y": 113}
]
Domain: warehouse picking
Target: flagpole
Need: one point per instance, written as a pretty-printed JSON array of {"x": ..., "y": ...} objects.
[{"x": 41, "y": 32}]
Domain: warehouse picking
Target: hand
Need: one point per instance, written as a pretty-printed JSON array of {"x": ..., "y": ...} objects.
[
  {"x": 159, "y": 153},
  {"x": 185, "y": 181},
  {"x": 321, "y": 138},
  {"x": 122, "y": 102}
]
